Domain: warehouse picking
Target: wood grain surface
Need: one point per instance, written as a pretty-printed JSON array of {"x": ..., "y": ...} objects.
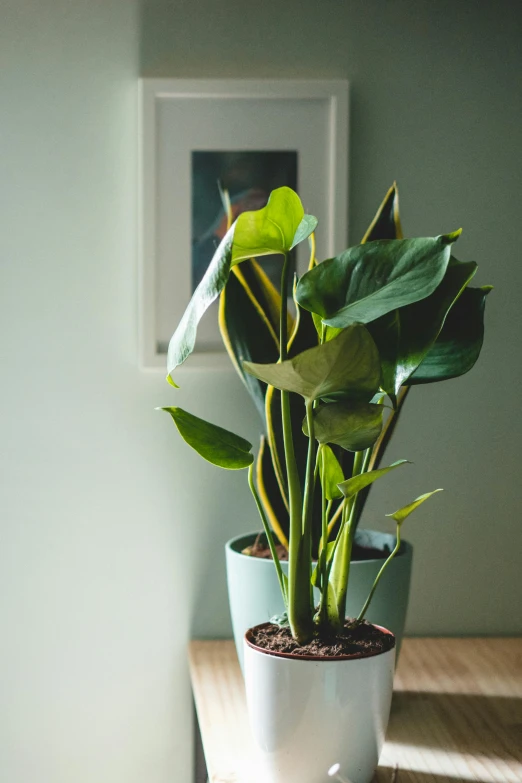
[{"x": 456, "y": 713}]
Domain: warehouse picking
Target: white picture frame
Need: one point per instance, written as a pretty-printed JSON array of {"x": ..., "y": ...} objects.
[{"x": 179, "y": 116}]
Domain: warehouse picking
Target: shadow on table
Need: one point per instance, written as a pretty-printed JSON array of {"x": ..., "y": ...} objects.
[
  {"x": 386, "y": 775},
  {"x": 488, "y": 726}
]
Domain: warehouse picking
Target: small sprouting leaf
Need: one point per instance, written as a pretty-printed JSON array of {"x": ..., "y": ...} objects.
[
  {"x": 353, "y": 485},
  {"x": 386, "y": 224},
  {"x": 330, "y": 473},
  {"x": 306, "y": 227},
  {"x": 400, "y": 515},
  {"x": 213, "y": 443},
  {"x": 276, "y": 228},
  {"x": 280, "y": 619},
  {"x": 349, "y": 363},
  {"x": 351, "y": 424}
]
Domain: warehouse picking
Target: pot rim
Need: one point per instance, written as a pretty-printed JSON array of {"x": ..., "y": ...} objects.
[
  {"x": 406, "y": 549},
  {"x": 318, "y": 658}
]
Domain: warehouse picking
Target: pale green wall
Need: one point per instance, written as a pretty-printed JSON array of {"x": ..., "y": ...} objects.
[{"x": 111, "y": 531}]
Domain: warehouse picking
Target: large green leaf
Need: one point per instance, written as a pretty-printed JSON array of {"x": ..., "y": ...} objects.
[
  {"x": 213, "y": 443},
  {"x": 184, "y": 338},
  {"x": 404, "y": 512},
  {"x": 330, "y": 473},
  {"x": 353, "y": 485},
  {"x": 246, "y": 329},
  {"x": 386, "y": 224},
  {"x": 404, "y": 336},
  {"x": 349, "y": 363},
  {"x": 458, "y": 345},
  {"x": 354, "y": 425},
  {"x": 276, "y": 228},
  {"x": 367, "y": 281}
]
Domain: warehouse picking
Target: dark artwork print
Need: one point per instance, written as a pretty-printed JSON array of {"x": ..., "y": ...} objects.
[{"x": 249, "y": 178}]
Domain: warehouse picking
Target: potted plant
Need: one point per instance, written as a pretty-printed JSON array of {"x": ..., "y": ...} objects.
[
  {"x": 249, "y": 314},
  {"x": 250, "y": 317},
  {"x": 319, "y": 685}
]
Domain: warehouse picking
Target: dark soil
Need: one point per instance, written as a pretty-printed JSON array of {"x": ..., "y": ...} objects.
[
  {"x": 261, "y": 550},
  {"x": 364, "y": 639}
]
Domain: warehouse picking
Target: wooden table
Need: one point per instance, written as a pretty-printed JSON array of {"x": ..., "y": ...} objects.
[{"x": 456, "y": 713}]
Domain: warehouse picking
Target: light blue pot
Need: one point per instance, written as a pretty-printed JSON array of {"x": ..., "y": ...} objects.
[{"x": 255, "y": 597}]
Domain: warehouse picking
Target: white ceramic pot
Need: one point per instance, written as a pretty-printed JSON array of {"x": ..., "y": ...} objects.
[{"x": 308, "y": 714}]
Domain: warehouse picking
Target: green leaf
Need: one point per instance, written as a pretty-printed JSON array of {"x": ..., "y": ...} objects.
[
  {"x": 246, "y": 327},
  {"x": 353, "y": 485},
  {"x": 404, "y": 336},
  {"x": 270, "y": 493},
  {"x": 330, "y": 473},
  {"x": 459, "y": 343},
  {"x": 306, "y": 227},
  {"x": 303, "y": 334},
  {"x": 400, "y": 515},
  {"x": 349, "y": 363},
  {"x": 276, "y": 228},
  {"x": 281, "y": 619},
  {"x": 367, "y": 281},
  {"x": 213, "y": 443},
  {"x": 324, "y": 332},
  {"x": 353, "y": 425},
  {"x": 184, "y": 338},
  {"x": 386, "y": 224}
]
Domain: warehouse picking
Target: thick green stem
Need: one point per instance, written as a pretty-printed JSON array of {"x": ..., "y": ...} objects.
[
  {"x": 363, "y": 611},
  {"x": 359, "y": 498},
  {"x": 299, "y": 612},
  {"x": 341, "y": 566},
  {"x": 308, "y": 505},
  {"x": 341, "y": 563},
  {"x": 322, "y": 615},
  {"x": 269, "y": 535},
  {"x": 368, "y": 461},
  {"x": 283, "y": 322}
]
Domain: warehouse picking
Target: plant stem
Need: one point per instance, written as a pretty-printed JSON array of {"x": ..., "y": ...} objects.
[
  {"x": 299, "y": 611},
  {"x": 363, "y": 611},
  {"x": 322, "y": 615},
  {"x": 310, "y": 471},
  {"x": 308, "y": 506},
  {"x": 342, "y": 559},
  {"x": 341, "y": 566},
  {"x": 269, "y": 536},
  {"x": 283, "y": 323},
  {"x": 366, "y": 466},
  {"x": 338, "y": 512},
  {"x": 360, "y": 495}
]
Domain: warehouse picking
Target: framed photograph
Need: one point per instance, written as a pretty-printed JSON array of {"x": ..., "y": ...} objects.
[{"x": 248, "y": 137}]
